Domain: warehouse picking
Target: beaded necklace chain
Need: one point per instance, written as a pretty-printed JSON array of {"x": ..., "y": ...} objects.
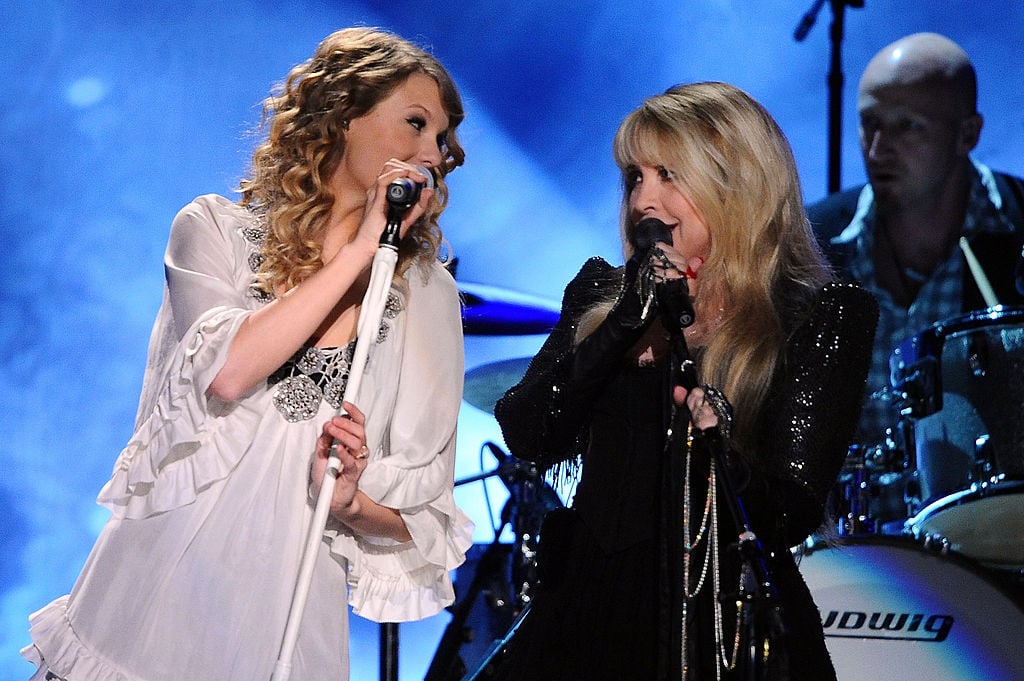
[{"x": 712, "y": 558}]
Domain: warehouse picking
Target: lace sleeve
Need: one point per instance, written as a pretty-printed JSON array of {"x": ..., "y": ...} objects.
[{"x": 539, "y": 420}]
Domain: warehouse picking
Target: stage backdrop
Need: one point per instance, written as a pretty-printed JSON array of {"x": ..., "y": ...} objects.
[{"x": 118, "y": 113}]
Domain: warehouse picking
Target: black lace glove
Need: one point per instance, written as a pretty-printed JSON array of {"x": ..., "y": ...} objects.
[{"x": 597, "y": 355}]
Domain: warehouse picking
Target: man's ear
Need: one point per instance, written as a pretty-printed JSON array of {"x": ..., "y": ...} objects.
[{"x": 970, "y": 132}]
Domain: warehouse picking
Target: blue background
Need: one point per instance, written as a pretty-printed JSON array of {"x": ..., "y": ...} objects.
[{"x": 117, "y": 113}]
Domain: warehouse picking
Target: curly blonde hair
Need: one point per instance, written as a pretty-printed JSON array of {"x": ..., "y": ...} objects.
[
  {"x": 351, "y": 71},
  {"x": 732, "y": 161}
]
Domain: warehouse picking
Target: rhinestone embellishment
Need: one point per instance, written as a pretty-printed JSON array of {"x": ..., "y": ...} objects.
[
  {"x": 309, "y": 377},
  {"x": 256, "y": 233},
  {"x": 298, "y": 398}
]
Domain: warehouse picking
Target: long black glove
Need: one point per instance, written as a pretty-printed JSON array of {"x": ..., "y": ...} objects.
[
  {"x": 595, "y": 358},
  {"x": 544, "y": 418}
]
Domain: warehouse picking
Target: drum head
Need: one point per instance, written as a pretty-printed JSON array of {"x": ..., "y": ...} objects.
[
  {"x": 892, "y": 610},
  {"x": 986, "y": 524}
]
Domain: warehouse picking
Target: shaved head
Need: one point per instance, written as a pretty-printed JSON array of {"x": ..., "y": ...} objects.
[
  {"x": 928, "y": 60},
  {"x": 917, "y": 103}
]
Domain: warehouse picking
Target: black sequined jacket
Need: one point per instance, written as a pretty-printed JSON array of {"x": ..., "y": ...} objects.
[
  {"x": 807, "y": 422},
  {"x": 805, "y": 428}
]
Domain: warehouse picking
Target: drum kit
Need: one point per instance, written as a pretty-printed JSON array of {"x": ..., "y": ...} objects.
[{"x": 927, "y": 580}]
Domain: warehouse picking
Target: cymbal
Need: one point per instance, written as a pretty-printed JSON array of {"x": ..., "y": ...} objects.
[
  {"x": 492, "y": 311},
  {"x": 487, "y": 383}
]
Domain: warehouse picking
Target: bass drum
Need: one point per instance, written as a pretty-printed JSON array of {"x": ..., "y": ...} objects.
[{"x": 893, "y": 610}]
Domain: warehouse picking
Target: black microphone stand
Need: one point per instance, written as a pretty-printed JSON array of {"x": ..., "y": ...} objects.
[
  {"x": 401, "y": 195},
  {"x": 388, "y": 631},
  {"x": 835, "y": 80},
  {"x": 765, "y": 622},
  {"x": 530, "y": 499}
]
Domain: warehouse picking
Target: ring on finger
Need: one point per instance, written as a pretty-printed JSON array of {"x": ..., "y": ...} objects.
[{"x": 363, "y": 452}]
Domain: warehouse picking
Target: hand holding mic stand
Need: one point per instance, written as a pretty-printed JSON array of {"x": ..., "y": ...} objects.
[
  {"x": 401, "y": 195},
  {"x": 766, "y": 622}
]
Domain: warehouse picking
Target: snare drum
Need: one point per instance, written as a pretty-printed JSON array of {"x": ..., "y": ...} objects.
[
  {"x": 961, "y": 382},
  {"x": 893, "y": 610}
]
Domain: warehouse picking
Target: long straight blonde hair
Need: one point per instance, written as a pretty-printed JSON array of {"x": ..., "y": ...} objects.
[{"x": 731, "y": 160}]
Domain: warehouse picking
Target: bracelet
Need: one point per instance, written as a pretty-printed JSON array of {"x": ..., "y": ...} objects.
[{"x": 720, "y": 405}]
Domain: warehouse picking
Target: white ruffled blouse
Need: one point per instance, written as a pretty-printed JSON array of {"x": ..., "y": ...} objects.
[{"x": 193, "y": 575}]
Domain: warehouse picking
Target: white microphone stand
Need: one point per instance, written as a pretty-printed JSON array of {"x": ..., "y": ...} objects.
[{"x": 381, "y": 272}]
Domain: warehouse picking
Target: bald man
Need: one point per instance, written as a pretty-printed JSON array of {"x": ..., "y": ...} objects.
[{"x": 898, "y": 235}]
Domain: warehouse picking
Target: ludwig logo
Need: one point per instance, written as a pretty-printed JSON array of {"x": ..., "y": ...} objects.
[{"x": 887, "y": 625}]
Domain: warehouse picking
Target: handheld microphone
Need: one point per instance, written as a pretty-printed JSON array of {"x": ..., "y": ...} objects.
[
  {"x": 404, "y": 191},
  {"x": 673, "y": 300},
  {"x": 673, "y": 295},
  {"x": 401, "y": 194},
  {"x": 650, "y": 231}
]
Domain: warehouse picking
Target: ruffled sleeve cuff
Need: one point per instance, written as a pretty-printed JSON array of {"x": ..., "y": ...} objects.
[
  {"x": 396, "y": 582},
  {"x": 179, "y": 449},
  {"x": 56, "y": 648}
]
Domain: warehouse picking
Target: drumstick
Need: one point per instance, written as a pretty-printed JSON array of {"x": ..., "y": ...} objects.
[{"x": 979, "y": 274}]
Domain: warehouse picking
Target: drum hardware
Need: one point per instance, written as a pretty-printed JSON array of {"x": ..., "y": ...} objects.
[
  {"x": 960, "y": 387},
  {"x": 984, "y": 459},
  {"x": 505, "y": 575},
  {"x": 977, "y": 357},
  {"x": 937, "y": 543},
  {"x": 984, "y": 522},
  {"x": 854, "y": 481},
  {"x": 875, "y": 491},
  {"x": 916, "y": 393}
]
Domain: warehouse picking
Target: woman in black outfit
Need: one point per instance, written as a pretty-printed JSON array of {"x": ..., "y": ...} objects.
[{"x": 640, "y": 579}]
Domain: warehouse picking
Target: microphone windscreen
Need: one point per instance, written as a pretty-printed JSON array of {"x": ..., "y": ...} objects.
[{"x": 650, "y": 231}]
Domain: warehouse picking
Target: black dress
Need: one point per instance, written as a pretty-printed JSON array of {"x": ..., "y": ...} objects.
[{"x": 609, "y": 601}]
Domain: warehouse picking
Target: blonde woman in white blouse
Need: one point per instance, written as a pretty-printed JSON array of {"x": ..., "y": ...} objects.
[{"x": 210, "y": 500}]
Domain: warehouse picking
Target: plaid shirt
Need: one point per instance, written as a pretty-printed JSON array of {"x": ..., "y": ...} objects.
[{"x": 939, "y": 299}]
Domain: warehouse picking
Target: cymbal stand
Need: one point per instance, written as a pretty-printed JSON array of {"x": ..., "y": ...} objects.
[{"x": 835, "y": 80}]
